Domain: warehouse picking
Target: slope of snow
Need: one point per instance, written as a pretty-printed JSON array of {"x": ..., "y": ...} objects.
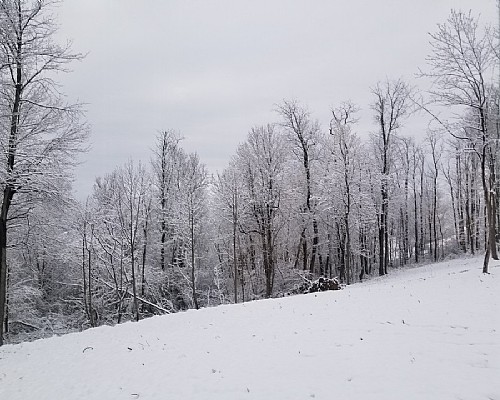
[{"x": 425, "y": 333}]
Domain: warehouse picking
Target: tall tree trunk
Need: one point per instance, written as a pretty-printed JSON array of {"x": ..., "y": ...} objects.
[
  {"x": 144, "y": 257},
  {"x": 492, "y": 228},
  {"x": 3, "y": 272},
  {"x": 92, "y": 313},
  {"x": 415, "y": 207},
  {"x": 415, "y": 222},
  {"x": 134, "y": 288},
  {"x": 315, "y": 243},
  {"x": 268, "y": 259},
  {"x": 421, "y": 196},
  {"x": 434, "y": 218},
  {"x": 235, "y": 256},
  {"x": 453, "y": 206},
  {"x": 193, "y": 276},
  {"x": 347, "y": 252},
  {"x": 469, "y": 213},
  {"x": 489, "y": 206},
  {"x": 132, "y": 264},
  {"x": 9, "y": 190},
  {"x": 311, "y": 212},
  {"x": 406, "y": 221},
  {"x": 162, "y": 240},
  {"x": 84, "y": 273},
  {"x": 381, "y": 245},
  {"x": 460, "y": 205}
]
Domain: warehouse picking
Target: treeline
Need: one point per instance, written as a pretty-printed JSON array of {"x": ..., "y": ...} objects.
[{"x": 296, "y": 201}]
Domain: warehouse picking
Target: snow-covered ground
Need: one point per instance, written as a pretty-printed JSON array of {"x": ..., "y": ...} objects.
[{"x": 431, "y": 332}]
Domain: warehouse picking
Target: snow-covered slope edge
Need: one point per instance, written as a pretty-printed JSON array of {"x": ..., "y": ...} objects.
[{"x": 427, "y": 333}]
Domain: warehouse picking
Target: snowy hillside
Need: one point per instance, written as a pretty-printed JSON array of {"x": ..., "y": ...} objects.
[{"x": 426, "y": 333}]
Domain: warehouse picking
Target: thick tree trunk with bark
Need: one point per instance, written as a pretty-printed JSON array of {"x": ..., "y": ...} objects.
[
  {"x": 9, "y": 191},
  {"x": 3, "y": 271}
]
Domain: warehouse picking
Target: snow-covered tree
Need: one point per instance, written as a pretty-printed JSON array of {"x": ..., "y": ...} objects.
[
  {"x": 39, "y": 132},
  {"x": 461, "y": 66},
  {"x": 390, "y": 107},
  {"x": 302, "y": 132}
]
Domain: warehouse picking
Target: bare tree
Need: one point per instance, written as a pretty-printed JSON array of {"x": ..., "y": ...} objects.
[
  {"x": 436, "y": 151},
  {"x": 417, "y": 160},
  {"x": 228, "y": 193},
  {"x": 111, "y": 244},
  {"x": 346, "y": 150},
  {"x": 166, "y": 164},
  {"x": 405, "y": 147},
  {"x": 261, "y": 158},
  {"x": 194, "y": 186},
  {"x": 121, "y": 205},
  {"x": 39, "y": 132},
  {"x": 303, "y": 132},
  {"x": 133, "y": 185},
  {"x": 461, "y": 62},
  {"x": 391, "y": 106},
  {"x": 87, "y": 229}
]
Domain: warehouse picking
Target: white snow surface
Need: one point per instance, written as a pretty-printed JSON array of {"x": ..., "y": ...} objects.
[{"x": 430, "y": 332}]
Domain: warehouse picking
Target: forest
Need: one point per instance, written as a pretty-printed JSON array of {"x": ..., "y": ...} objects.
[{"x": 297, "y": 201}]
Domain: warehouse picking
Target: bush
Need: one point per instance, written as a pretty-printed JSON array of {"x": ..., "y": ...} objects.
[{"x": 321, "y": 284}]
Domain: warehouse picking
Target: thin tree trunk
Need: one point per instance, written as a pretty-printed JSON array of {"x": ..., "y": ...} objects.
[
  {"x": 235, "y": 259},
  {"x": 193, "y": 277},
  {"x": 434, "y": 219},
  {"x": 144, "y": 257},
  {"x": 315, "y": 242},
  {"x": 347, "y": 252},
  {"x": 91, "y": 309},
  {"x": 460, "y": 202},
  {"x": 304, "y": 249},
  {"x": 132, "y": 255},
  {"x": 381, "y": 245},
  {"x": 84, "y": 273},
  {"x": 415, "y": 207},
  {"x": 162, "y": 243},
  {"x": 453, "y": 207},
  {"x": 421, "y": 195}
]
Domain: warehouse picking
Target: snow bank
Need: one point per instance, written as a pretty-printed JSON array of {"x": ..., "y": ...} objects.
[{"x": 425, "y": 333}]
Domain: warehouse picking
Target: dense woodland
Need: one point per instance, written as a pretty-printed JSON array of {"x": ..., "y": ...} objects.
[{"x": 298, "y": 200}]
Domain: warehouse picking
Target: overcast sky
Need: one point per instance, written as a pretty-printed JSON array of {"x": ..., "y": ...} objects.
[{"x": 212, "y": 69}]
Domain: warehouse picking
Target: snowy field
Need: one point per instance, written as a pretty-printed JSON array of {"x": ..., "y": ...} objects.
[{"x": 431, "y": 332}]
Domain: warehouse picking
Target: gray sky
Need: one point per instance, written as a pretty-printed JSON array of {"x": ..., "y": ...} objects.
[{"x": 212, "y": 69}]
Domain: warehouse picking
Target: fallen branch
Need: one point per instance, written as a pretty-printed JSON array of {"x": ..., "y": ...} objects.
[
  {"x": 126, "y": 293},
  {"x": 27, "y": 325},
  {"x": 304, "y": 278}
]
